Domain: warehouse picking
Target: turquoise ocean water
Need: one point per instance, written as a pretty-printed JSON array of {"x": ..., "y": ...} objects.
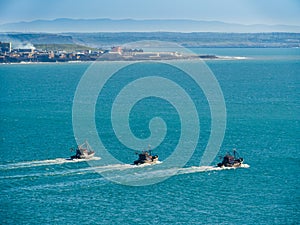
[{"x": 38, "y": 186}]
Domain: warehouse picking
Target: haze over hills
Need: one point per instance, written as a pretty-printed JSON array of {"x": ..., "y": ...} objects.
[
  {"x": 195, "y": 39},
  {"x": 130, "y": 25}
]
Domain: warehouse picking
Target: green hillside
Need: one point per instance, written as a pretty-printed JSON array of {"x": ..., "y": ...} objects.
[{"x": 65, "y": 47}]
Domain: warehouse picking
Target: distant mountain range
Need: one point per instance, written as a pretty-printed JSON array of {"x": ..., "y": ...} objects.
[{"x": 130, "y": 25}]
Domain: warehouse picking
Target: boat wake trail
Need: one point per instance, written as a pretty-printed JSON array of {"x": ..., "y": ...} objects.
[
  {"x": 135, "y": 175},
  {"x": 199, "y": 169},
  {"x": 121, "y": 172},
  {"x": 186, "y": 170},
  {"x": 19, "y": 165}
]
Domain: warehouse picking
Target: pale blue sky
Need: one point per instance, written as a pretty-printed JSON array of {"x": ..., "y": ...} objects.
[{"x": 234, "y": 11}]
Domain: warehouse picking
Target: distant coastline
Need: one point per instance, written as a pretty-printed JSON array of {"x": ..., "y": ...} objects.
[
  {"x": 31, "y": 55},
  {"x": 69, "y": 47}
]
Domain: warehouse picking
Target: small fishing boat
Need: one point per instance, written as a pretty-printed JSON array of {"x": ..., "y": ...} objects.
[
  {"x": 83, "y": 151},
  {"x": 231, "y": 160},
  {"x": 146, "y": 158}
]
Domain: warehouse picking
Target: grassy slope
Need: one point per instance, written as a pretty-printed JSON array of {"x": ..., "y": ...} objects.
[{"x": 66, "y": 47}]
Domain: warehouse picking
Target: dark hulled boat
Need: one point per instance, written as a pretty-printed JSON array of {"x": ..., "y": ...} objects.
[
  {"x": 231, "y": 160},
  {"x": 84, "y": 151},
  {"x": 146, "y": 158}
]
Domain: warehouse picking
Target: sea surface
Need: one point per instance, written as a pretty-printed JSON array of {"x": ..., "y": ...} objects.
[{"x": 39, "y": 186}]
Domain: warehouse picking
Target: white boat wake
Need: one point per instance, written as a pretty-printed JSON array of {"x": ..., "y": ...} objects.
[
  {"x": 125, "y": 175},
  {"x": 121, "y": 171},
  {"x": 198, "y": 169},
  {"x": 19, "y": 165},
  {"x": 145, "y": 176}
]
